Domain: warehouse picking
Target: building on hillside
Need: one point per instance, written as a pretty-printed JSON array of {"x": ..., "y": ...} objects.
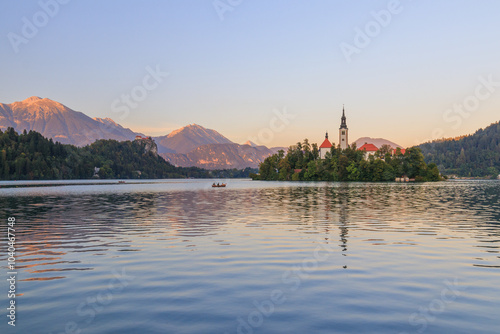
[
  {"x": 370, "y": 149},
  {"x": 325, "y": 147},
  {"x": 403, "y": 151},
  {"x": 96, "y": 172},
  {"x": 143, "y": 138},
  {"x": 149, "y": 144},
  {"x": 343, "y": 132}
]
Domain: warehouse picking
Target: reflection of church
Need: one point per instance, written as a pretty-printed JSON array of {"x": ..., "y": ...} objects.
[
  {"x": 343, "y": 138},
  {"x": 337, "y": 200}
]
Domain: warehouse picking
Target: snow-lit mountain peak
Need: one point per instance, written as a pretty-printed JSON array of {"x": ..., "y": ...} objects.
[
  {"x": 32, "y": 99},
  {"x": 251, "y": 143},
  {"x": 189, "y": 137},
  {"x": 54, "y": 120}
]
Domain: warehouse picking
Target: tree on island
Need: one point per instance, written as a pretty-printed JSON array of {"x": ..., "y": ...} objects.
[{"x": 302, "y": 163}]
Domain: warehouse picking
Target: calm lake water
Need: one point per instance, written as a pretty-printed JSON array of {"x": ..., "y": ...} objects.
[{"x": 176, "y": 256}]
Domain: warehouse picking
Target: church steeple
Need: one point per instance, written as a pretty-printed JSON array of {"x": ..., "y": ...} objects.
[
  {"x": 343, "y": 124},
  {"x": 343, "y": 131},
  {"x": 326, "y": 135}
]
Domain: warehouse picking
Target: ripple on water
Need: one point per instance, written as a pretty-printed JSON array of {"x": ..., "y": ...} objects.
[{"x": 180, "y": 258}]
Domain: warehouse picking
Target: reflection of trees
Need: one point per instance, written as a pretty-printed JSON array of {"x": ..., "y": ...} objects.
[
  {"x": 48, "y": 228},
  {"x": 52, "y": 226}
]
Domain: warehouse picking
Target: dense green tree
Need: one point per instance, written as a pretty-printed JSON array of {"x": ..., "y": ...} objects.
[
  {"x": 477, "y": 155},
  {"x": 302, "y": 163}
]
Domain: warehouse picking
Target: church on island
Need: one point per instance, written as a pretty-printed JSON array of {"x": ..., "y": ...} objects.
[
  {"x": 343, "y": 138},
  {"x": 326, "y": 146}
]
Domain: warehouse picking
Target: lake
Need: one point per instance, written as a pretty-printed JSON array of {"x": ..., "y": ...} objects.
[{"x": 177, "y": 256}]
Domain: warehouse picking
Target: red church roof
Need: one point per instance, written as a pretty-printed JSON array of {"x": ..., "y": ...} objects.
[
  {"x": 326, "y": 144},
  {"x": 368, "y": 148},
  {"x": 403, "y": 151}
]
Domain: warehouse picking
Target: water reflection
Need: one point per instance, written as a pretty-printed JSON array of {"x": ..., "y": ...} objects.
[
  {"x": 53, "y": 226},
  {"x": 178, "y": 236}
]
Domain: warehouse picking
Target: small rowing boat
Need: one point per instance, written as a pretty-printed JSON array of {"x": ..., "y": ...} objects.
[{"x": 222, "y": 185}]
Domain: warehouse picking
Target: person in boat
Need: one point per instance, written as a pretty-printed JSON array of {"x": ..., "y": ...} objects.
[{"x": 213, "y": 185}]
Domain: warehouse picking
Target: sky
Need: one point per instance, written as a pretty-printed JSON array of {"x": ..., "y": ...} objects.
[{"x": 274, "y": 72}]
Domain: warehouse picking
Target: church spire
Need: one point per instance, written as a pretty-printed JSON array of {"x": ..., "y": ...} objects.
[
  {"x": 343, "y": 124},
  {"x": 343, "y": 132},
  {"x": 326, "y": 135}
]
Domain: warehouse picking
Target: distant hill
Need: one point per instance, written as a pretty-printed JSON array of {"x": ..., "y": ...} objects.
[
  {"x": 54, "y": 120},
  {"x": 476, "y": 155},
  {"x": 188, "y": 138},
  {"x": 221, "y": 156},
  {"x": 376, "y": 141},
  {"x": 30, "y": 156},
  {"x": 274, "y": 150}
]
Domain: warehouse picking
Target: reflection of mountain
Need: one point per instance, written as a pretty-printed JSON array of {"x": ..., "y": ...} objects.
[
  {"x": 54, "y": 228},
  {"x": 60, "y": 229}
]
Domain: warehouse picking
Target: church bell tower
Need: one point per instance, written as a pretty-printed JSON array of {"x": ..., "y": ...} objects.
[{"x": 343, "y": 132}]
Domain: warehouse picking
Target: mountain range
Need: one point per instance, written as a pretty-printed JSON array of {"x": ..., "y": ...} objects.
[{"x": 192, "y": 145}]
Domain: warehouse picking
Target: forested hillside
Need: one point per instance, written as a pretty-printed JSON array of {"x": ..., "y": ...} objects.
[
  {"x": 30, "y": 156},
  {"x": 477, "y": 155}
]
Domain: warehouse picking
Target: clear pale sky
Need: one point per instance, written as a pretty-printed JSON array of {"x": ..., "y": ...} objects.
[{"x": 233, "y": 64}]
